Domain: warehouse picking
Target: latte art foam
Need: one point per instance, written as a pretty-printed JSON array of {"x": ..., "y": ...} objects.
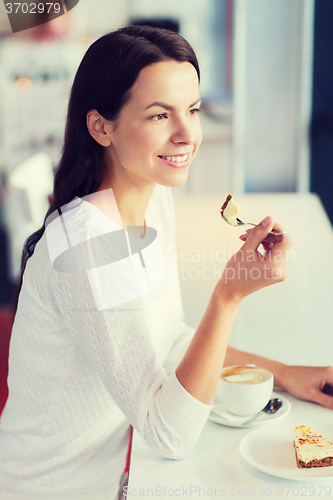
[{"x": 244, "y": 375}]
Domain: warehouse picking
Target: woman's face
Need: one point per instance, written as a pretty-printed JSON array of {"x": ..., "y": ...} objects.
[{"x": 158, "y": 132}]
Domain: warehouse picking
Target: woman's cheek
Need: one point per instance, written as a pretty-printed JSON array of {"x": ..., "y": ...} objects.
[
  {"x": 148, "y": 143},
  {"x": 198, "y": 135}
]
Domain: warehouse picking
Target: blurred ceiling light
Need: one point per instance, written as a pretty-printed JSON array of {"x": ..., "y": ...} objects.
[{"x": 23, "y": 85}]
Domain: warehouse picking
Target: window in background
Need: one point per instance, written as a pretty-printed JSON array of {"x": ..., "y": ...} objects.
[
  {"x": 272, "y": 94},
  {"x": 322, "y": 113}
]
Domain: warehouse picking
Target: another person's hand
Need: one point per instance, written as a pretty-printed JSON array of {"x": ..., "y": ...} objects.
[{"x": 310, "y": 383}]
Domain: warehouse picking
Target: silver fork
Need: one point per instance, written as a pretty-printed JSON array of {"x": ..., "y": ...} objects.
[{"x": 270, "y": 238}]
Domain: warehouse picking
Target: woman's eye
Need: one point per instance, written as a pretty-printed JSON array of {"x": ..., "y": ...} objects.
[
  {"x": 159, "y": 117},
  {"x": 194, "y": 111}
]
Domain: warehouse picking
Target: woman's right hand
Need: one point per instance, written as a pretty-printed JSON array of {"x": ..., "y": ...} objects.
[{"x": 249, "y": 270}]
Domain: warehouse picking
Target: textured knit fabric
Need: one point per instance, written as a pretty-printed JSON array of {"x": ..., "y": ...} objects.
[{"x": 79, "y": 376}]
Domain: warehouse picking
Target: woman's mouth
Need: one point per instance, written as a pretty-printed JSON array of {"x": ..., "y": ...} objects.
[{"x": 177, "y": 161}]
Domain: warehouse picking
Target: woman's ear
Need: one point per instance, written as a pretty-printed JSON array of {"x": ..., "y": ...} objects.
[{"x": 99, "y": 128}]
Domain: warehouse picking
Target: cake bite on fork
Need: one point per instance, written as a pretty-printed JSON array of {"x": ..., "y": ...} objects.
[{"x": 229, "y": 211}]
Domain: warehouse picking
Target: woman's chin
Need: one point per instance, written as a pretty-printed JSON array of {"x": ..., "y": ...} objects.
[{"x": 176, "y": 180}]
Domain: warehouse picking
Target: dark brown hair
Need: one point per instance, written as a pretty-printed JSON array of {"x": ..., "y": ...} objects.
[{"x": 103, "y": 82}]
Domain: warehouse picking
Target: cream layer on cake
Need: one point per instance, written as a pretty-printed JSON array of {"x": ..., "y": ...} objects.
[
  {"x": 229, "y": 210},
  {"x": 309, "y": 445}
]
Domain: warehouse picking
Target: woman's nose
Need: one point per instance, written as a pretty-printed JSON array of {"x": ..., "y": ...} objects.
[{"x": 184, "y": 132}]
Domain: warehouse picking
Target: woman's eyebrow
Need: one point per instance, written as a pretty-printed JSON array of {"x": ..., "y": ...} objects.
[{"x": 167, "y": 106}]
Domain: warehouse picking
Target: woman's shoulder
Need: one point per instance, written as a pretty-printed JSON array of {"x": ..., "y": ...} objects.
[{"x": 83, "y": 220}]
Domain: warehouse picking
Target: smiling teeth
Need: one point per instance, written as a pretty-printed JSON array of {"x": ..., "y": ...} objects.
[{"x": 177, "y": 159}]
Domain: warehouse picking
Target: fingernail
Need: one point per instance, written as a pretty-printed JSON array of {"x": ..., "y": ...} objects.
[
  {"x": 243, "y": 237},
  {"x": 279, "y": 237},
  {"x": 266, "y": 221}
]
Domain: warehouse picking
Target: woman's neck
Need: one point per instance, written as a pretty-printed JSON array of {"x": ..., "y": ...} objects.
[{"x": 132, "y": 199}]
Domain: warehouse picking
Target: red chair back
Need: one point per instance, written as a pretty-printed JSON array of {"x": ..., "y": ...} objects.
[{"x": 6, "y": 324}]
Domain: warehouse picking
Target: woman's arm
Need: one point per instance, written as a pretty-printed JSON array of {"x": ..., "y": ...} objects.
[
  {"x": 246, "y": 272},
  {"x": 200, "y": 368},
  {"x": 168, "y": 412}
]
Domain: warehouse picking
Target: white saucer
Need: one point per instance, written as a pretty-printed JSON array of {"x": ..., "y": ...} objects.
[
  {"x": 271, "y": 450},
  {"x": 220, "y": 415}
]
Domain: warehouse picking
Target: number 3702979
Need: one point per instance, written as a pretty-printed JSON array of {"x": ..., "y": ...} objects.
[
  {"x": 32, "y": 8},
  {"x": 303, "y": 491}
]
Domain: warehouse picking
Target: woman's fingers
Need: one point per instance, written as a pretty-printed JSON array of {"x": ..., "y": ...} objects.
[
  {"x": 266, "y": 244},
  {"x": 282, "y": 246},
  {"x": 258, "y": 234},
  {"x": 271, "y": 239},
  {"x": 248, "y": 269}
]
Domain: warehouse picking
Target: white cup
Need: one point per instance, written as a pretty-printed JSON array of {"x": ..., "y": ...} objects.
[{"x": 244, "y": 389}]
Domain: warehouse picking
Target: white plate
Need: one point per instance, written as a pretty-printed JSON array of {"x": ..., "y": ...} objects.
[
  {"x": 271, "y": 450},
  {"x": 226, "y": 418}
]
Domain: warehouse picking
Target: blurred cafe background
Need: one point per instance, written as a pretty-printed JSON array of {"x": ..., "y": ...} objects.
[{"x": 267, "y": 90}]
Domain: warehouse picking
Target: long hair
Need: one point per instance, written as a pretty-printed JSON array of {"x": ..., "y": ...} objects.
[{"x": 103, "y": 82}]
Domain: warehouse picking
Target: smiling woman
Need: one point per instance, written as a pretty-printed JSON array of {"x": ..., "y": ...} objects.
[
  {"x": 99, "y": 342},
  {"x": 158, "y": 128}
]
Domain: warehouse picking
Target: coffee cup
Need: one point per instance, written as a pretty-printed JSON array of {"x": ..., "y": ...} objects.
[{"x": 244, "y": 389}]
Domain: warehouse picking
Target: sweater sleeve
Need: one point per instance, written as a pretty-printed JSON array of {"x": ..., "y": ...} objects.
[{"x": 118, "y": 344}]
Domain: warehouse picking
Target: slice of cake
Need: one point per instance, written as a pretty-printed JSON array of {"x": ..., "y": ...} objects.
[
  {"x": 312, "y": 449},
  {"x": 229, "y": 211}
]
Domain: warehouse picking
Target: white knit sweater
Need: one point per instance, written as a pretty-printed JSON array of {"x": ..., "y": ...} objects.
[{"x": 78, "y": 376}]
